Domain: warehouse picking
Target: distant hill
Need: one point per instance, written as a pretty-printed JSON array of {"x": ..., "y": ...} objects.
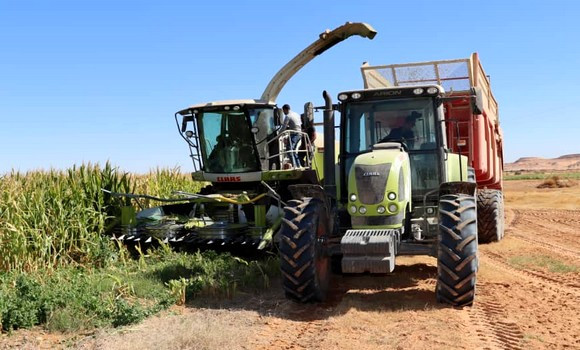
[{"x": 568, "y": 162}]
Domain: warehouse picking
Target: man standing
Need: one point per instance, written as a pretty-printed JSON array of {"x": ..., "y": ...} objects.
[{"x": 292, "y": 122}]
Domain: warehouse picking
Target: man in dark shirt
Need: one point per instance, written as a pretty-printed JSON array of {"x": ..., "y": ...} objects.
[{"x": 405, "y": 132}]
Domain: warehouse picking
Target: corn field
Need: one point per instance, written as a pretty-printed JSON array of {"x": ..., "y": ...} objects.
[{"x": 56, "y": 218}]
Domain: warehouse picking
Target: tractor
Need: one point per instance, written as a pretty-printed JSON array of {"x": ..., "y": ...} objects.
[{"x": 404, "y": 182}]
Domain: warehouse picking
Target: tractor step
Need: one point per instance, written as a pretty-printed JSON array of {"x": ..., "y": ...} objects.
[{"x": 369, "y": 250}]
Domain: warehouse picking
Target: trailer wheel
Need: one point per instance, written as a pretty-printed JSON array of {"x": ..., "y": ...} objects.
[
  {"x": 457, "y": 260},
  {"x": 304, "y": 266},
  {"x": 490, "y": 216}
]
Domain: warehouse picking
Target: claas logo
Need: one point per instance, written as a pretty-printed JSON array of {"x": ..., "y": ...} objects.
[{"x": 229, "y": 179}]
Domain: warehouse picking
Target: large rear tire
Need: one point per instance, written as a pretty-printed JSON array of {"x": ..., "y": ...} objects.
[
  {"x": 304, "y": 266},
  {"x": 490, "y": 216},
  {"x": 457, "y": 260}
]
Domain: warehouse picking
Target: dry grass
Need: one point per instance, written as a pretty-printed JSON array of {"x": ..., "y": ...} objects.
[
  {"x": 524, "y": 194},
  {"x": 194, "y": 329}
]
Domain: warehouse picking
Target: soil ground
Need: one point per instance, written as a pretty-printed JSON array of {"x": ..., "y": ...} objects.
[{"x": 528, "y": 296}]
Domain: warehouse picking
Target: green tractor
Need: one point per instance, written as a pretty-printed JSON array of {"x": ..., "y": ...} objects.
[
  {"x": 239, "y": 150},
  {"x": 413, "y": 165},
  {"x": 397, "y": 189}
]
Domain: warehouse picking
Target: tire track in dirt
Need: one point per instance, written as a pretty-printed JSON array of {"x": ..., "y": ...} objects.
[
  {"x": 550, "y": 246},
  {"x": 291, "y": 335},
  {"x": 562, "y": 284},
  {"x": 517, "y": 218},
  {"x": 491, "y": 324},
  {"x": 297, "y": 326},
  {"x": 564, "y": 217}
]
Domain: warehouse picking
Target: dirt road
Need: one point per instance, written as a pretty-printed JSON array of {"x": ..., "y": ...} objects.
[{"x": 528, "y": 296}]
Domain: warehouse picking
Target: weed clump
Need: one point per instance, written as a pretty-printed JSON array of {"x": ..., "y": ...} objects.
[{"x": 556, "y": 182}]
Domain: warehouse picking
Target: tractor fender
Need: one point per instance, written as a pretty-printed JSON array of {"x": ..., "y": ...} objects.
[{"x": 457, "y": 187}]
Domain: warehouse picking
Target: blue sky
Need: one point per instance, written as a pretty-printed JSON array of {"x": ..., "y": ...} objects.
[{"x": 90, "y": 81}]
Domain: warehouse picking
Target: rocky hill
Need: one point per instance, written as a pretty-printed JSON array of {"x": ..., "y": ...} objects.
[{"x": 568, "y": 162}]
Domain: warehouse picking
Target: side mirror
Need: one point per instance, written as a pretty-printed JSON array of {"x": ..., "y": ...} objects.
[
  {"x": 477, "y": 100},
  {"x": 279, "y": 116},
  {"x": 308, "y": 117},
  {"x": 186, "y": 118}
]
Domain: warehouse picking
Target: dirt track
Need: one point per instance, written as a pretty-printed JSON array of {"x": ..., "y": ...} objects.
[{"x": 528, "y": 296}]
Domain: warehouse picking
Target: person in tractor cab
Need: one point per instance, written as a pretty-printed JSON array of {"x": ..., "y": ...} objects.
[
  {"x": 292, "y": 122},
  {"x": 405, "y": 132}
]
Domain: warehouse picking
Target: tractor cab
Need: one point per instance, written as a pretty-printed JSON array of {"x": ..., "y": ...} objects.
[{"x": 374, "y": 118}]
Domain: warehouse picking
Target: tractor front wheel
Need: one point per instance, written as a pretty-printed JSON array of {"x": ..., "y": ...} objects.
[
  {"x": 304, "y": 265},
  {"x": 457, "y": 260}
]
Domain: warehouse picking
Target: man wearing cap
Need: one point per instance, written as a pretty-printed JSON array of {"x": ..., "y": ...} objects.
[
  {"x": 405, "y": 132},
  {"x": 292, "y": 122}
]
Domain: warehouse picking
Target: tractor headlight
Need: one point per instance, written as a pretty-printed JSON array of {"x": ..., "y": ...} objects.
[
  {"x": 393, "y": 208},
  {"x": 418, "y": 91},
  {"x": 353, "y": 197},
  {"x": 342, "y": 97},
  {"x": 362, "y": 210},
  {"x": 381, "y": 209},
  {"x": 392, "y": 196},
  {"x": 353, "y": 209},
  {"x": 432, "y": 90},
  {"x": 227, "y": 108},
  {"x": 356, "y": 95},
  {"x": 430, "y": 210}
]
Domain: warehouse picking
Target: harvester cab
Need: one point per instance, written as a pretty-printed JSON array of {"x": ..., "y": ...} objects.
[{"x": 248, "y": 161}]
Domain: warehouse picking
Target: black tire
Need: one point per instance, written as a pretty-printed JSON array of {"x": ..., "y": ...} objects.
[
  {"x": 305, "y": 268},
  {"x": 457, "y": 260},
  {"x": 490, "y": 216}
]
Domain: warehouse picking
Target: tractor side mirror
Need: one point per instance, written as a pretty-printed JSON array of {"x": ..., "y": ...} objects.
[{"x": 186, "y": 118}]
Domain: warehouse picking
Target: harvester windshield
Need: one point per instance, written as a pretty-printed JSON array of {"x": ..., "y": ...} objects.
[{"x": 235, "y": 141}]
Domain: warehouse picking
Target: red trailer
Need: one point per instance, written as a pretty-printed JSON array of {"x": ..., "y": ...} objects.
[{"x": 472, "y": 124}]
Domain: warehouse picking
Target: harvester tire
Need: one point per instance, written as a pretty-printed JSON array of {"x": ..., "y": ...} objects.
[
  {"x": 490, "y": 216},
  {"x": 304, "y": 266},
  {"x": 457, "y": 259}
]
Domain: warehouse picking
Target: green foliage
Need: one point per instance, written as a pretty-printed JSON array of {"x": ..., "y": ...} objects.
[
  {"x": 54, "y": 218},
  {"x": 72, "y": 298},
  {"x": 58, "y": 269},
  {"x": 540, "y": 176},
  {"x": 543, "y": 261}
]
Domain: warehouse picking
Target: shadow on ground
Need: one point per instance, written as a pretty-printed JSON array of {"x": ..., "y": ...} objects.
[{"x": 410, "y": 287}]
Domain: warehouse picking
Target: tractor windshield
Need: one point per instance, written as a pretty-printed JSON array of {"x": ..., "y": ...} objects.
[
  {"x": 227, "y": 142},
  {"x": 411, "y": 122}
]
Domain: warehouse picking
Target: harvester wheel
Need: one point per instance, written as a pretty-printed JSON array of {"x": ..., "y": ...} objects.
[
  {"x": 457, "y": 260},
  {"x": 304, "y": 266},
  {"x": 490, "y": 216}
]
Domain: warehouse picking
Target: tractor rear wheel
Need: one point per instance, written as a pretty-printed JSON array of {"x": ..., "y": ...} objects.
[
  {"x": 305, "y": 267},
  {"x": 490, "y": 216},
  {"x": 457, "y": 260}
]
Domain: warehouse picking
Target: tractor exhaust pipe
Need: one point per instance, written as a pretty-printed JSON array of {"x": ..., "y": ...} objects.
[{"x": 329, "y": 157}]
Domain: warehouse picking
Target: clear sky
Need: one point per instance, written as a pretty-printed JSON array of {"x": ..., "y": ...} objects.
[{"x": 90, "y": 81}]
